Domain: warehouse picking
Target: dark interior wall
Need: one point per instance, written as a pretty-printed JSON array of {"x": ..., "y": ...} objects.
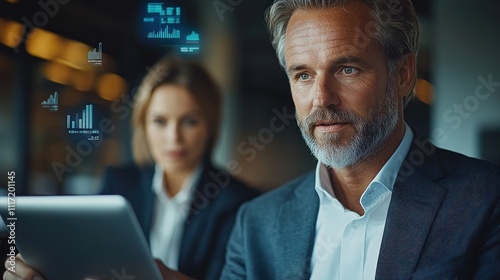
[{"x": 236, "y": 50}]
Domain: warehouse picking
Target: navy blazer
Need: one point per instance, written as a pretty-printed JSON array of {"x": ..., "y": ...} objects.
[
  {"x": 443, "y": 223},
  {"x": 209, "y": 223}
]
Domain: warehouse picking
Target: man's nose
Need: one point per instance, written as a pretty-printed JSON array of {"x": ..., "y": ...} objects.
[{"x": 326, "y": 92}]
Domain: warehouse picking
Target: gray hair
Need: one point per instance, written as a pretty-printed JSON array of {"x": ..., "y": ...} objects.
[{"x": 396, "y": 26}]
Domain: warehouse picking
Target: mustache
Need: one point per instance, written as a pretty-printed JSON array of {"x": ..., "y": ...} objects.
[{"x": 329, "y": 115}]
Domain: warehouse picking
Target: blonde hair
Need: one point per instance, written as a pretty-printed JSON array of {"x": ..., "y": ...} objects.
[{"x": 175, "y": 71}]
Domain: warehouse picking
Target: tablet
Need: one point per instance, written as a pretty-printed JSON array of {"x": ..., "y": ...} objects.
[{"x": 79, "y": 237}]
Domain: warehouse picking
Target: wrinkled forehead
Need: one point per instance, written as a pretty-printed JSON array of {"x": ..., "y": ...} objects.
[{"x": 351, "y": 24}]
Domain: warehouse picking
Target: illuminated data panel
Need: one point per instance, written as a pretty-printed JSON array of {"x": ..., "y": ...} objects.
[
  {"x": 83, "y": 123},
  {"x": 164, "y": 23},
  {"x": 94, "y": 56},
  {"x": 51, "y": 103}
]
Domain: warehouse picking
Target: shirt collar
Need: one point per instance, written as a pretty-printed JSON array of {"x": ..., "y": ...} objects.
[
  {"x": 387, "y": 175},
  {"x": 188, "y": 187},
  {"x": 383, "y": 181}
]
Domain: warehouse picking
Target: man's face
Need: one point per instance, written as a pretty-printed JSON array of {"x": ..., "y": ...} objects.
[{"x": 346, "y": 104}]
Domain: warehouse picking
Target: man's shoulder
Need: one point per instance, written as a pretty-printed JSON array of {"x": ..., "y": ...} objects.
[
  {"x": 431, "y": 159},
  {"x": 456, "y": 163},
  {"x": 462, "y": 175},
  {"x": 274, "y": 199}
]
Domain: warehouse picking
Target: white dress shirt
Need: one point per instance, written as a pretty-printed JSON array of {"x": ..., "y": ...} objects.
[
  {"x": 347, "y": 245},
  {"x": 169, "y": 215}
]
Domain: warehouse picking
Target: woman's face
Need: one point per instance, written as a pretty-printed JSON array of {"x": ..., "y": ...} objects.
[{"x": 176, "y": 130}]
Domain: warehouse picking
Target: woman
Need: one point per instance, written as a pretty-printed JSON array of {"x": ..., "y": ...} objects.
[{"x": 185, "y": 206}]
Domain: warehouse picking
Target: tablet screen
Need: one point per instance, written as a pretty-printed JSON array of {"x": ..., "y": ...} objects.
[{"x": 79, "y": 237}]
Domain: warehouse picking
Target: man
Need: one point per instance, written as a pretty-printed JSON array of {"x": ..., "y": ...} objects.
[{"x": 383, "y": 203}]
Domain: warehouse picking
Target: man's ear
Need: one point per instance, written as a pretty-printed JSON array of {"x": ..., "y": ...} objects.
[{"x": 406, "y": 74}]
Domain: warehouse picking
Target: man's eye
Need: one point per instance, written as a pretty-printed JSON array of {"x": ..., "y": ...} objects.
[
  {"x": 349, "y": 70},
  {"x": 304, "y": 76}
]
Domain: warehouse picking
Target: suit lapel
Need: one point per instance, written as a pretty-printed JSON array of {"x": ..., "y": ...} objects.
[
  {"x": 194, "y": 221},
  {"x": 414, "y": 203},
  {"x": 296, "y": 228},
  {"x": 148, "y": 199}
]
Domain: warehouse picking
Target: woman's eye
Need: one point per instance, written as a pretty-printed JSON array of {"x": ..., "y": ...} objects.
[
  {"x": 349, "y": 70},
  {"x": 190, "y": 122},
  {"x": 159, "y": 122}
]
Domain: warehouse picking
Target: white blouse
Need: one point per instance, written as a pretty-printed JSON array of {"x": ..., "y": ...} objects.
[{"x": 169, "y": 215}]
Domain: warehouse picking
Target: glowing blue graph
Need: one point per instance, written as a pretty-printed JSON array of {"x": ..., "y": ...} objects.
[
  {"x": 168, "y": 15},
  {"x": 51, "y": 103},
  {"x": 82, "y": 124},
  {"x": 164, "y": 34},
  {"x": 193, "y": 36},
  {"x": 83, "y": 121},
  {"x": 159, "y": 19},
  {"x": 165, "y": 23},
  {"x": 93, "y": 54}
]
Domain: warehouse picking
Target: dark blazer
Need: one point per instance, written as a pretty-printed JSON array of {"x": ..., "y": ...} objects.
[
  {"x": 208, "y": 226},
  {"x": 443, "y": 223}
]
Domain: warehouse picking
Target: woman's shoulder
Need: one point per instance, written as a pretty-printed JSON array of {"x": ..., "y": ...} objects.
[
  {"x": 118, "y": 177},
  {"x": 127, "y": 169},
  {"x": 216, "y": 180}
]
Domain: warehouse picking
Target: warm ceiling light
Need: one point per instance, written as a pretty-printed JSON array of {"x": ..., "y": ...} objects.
[
  {"x": 44, "y": 44},
  {"x": 57, "y": 72},
  {"x": 12, "y": 1},
  {"x": 111, "y": 86},
  {"x": 74, "y": 54},
  {"x": 424, "y": 91},
  {"x": 83, "y": 80},
  {"x": 11, "y": 33}
]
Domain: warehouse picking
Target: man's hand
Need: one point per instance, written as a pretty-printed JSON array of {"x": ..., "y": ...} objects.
[
  {"x": 169, "y": 274},
  {"x": 21, "y": 271}
]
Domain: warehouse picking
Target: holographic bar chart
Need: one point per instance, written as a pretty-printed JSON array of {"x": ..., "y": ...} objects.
[
  {"x": 83, "y": 121},
  {"x": 51, "y": 103},
  {"x": 193, "y": 37},
  {"x": 165, "y": 34},
  {"x": 93, "y": 54}
]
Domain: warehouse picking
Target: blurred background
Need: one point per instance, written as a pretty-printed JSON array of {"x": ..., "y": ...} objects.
[{"x": 65, "y": 61}]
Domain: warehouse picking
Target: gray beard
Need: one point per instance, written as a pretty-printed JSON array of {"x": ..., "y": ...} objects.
[{"x": 369, "y": 135}]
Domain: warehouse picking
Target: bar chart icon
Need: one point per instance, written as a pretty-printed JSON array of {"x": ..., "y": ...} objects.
[
  {"x": 83, "y": 121},
  {"x": 51, "y": 103},
  {"x": 165, "y": 34},
  {"x": 95, "y": 56},
  {"x": 163, "y": 22},
  {"x": 193, "y": 37}
]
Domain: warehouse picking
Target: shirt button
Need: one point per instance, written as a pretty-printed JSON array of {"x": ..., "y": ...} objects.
[{"x": 354, "y": 225}]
